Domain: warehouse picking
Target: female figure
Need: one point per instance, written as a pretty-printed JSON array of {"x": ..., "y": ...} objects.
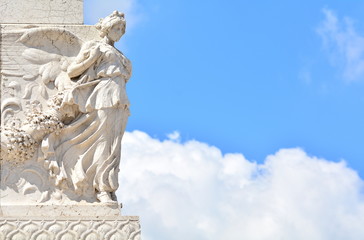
[{"x": 84, "y": 158}]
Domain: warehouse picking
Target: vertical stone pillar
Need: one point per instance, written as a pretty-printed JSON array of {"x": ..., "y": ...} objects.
[
  {"x": 26, "y": 209},
  {"x": 41, "y": 12}
]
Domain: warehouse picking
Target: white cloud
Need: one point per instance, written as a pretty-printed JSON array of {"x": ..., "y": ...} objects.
[
  {"x": 175, "y": 136},
  {"x": 344, "y": 44},
  {"x": 95, "y": 9},
  {"x": 191, "y": 191}
]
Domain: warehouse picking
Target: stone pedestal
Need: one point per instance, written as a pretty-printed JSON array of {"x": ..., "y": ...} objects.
[
  {"x": 71, "y": 210},
  {"x": 67, "y": 222},
  {"x": 32, "y": 205}
]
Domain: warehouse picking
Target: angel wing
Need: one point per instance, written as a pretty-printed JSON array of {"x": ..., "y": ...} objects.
[
  {"x": 52, "y": 40},
  {"x": 36, "y": 60},
  {"x": 52, "y": 49}
]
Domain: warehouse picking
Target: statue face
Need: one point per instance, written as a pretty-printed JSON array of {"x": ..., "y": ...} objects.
[{"x": 116, "y": 32}]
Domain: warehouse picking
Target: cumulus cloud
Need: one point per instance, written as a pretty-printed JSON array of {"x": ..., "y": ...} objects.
[
  {"x": 192, "y": 191},
  {"x": 344, "y": 45}
]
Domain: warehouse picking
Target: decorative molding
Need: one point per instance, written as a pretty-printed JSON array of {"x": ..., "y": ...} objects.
[{"x": 117, "y": 228}]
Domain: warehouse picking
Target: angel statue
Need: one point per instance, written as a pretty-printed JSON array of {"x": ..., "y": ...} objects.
[{"x": 79, "y": 137}]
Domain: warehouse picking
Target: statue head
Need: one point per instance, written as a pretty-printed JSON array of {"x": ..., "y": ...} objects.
[{"x": 112, "y": 26}]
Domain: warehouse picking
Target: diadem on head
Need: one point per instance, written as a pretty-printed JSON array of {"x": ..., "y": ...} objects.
[{"x": 108, "y": 22}]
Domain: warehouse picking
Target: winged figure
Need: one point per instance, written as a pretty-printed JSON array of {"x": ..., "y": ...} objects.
[{"x": 79, "y": 137}]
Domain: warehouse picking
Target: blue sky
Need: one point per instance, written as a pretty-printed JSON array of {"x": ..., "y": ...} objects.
[
  {"x": 249, "y": 77},
  {"x": 244, "y": 76}
]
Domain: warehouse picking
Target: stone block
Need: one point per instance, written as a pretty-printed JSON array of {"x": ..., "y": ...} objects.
[{"x": 42, "y": 11}]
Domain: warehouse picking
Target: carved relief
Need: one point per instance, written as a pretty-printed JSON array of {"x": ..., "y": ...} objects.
[
  {"x": 64, "y": 110},
  {"x": 46, "y": 229}
]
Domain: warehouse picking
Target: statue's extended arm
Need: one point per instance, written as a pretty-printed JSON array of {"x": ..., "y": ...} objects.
[{"x": 78, "y": 67}]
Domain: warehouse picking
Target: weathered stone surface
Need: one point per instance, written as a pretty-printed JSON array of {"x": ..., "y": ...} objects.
[
  {"x": 48, "y": 210},
  {"x": 41, "y": 11}
]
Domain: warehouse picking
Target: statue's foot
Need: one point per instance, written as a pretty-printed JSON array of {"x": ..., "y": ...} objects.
[
  {"x": 104, "y": 197},
  {"x": 113, "y": 196}
]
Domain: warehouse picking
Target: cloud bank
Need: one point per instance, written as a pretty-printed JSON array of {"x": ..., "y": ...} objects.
[
  {"x": 192, "y": 191},
  {"x": 344, "y": 45}
]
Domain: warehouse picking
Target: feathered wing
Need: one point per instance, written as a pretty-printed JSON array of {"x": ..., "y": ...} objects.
[
  {"x": 33, "y": 64},
  {"x": 51, "y": 50},
  {"x": 53, "y": 40}
]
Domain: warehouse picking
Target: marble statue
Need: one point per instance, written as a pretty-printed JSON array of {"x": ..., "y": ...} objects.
[
  {"x": 74, "y": 124},
  {"x": 64, "y": 109}
]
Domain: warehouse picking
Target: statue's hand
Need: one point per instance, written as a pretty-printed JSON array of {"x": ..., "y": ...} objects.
[
  {"x": 81, "y": 65},
  {"x": 95, "y": 52}
]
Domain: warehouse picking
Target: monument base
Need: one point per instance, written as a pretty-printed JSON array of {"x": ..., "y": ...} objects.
[
  {"x": 70, "y": 228},
  {"x": 47, "y": 210}
]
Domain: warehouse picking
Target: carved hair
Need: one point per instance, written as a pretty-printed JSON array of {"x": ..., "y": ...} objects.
[{"x": 105, "y": 24}]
